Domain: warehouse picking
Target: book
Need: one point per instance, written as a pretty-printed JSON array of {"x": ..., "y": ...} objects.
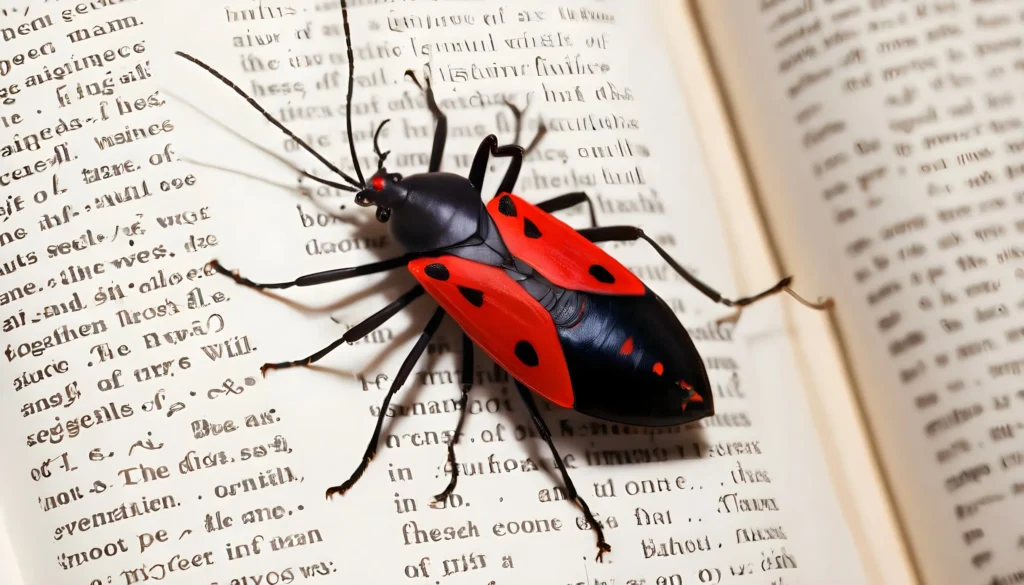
[{"x": 870, "y": 150}]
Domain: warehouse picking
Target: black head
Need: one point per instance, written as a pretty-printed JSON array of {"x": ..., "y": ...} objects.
[
  {"x": 385, "y": 191},
  {"x": 424, "y": 211}
]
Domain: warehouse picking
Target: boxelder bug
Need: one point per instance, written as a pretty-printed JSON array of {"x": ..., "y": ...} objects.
[{"x": 563, "y": 317}]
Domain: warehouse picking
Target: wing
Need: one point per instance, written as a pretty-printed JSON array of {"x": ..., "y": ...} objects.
[
  {"x": 553, "y": 248},
  {"x": 503, "y": 319}
]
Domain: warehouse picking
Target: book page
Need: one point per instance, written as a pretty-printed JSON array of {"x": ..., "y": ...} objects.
[
  {"x": 853, "y": 464},
  {"x": 143, "y": 443},
  {"x": 885, "y": 138},
  {"x": 8, "y": 562}
]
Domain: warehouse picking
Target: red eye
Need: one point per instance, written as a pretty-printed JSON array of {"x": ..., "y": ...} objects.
[{"x": 378, "y": 183}]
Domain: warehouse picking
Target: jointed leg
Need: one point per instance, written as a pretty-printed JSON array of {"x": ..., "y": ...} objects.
[
  {"x": 541, "y": 130},
  {"x": 570, "y": 489},
  {"x": 466, "y": 385},
  {"x": 403, "y": 375},
  {"x": 569, "y": 200},
  {"x": 489, "y": 147},
  {"x": 623, "y": 233},
  {"x": 441, "y": 132},
  {"x": 319, "y": 277},
  {"x": 356, "y": 333}
]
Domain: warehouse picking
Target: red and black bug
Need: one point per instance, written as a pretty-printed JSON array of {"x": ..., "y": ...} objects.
[{"x": 561, "y": 315}]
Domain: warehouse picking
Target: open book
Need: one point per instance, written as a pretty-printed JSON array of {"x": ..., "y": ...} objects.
[{"x": 873, "y": 150}]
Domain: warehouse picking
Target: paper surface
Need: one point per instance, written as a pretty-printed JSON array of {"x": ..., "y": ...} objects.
[
  {"x": 167, "y": 455},
  {"x": 886, "y": 139}
]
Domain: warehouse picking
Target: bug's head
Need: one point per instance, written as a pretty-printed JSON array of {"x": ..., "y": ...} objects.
[{"x": 385, "y": 190}]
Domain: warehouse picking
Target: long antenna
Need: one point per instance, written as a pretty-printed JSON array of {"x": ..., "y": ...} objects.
[
  {"x": 348, "y": 103},
  {"x": 273, "y": 121}
]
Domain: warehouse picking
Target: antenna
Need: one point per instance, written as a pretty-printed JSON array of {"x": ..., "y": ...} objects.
[
  {"x": 274, "y": 121},
  {"x": 361, "y": 183},
  {"x": 348, "y": 103}
]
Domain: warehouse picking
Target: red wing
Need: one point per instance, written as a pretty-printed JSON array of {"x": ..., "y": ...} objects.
[
  {"x": 557, "y": 251},
  {"x": 503, "y": 319}
]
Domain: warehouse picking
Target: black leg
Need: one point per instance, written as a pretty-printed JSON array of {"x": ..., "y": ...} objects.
[
  {"x": 570, "y": 489},
  {"x": 466, "y": 385},
  {"x": 518, "y": 114},
  {"x": 320, "y": 277},
  {"x": 403, "y": 375},
  {"x": 569, "y": 200},
  {"x": 441, "y": 132},
  {"x": 356, "y": 333},
  {"x": 541, "y": 131},
  {"x": 623, "y": 233},
  {"x": 489, "y": 147}
]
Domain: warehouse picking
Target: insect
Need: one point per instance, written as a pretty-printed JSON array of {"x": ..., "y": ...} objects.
[{"x": 542, "y": 299}]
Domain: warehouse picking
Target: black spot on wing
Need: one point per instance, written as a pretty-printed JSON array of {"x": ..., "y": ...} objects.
[
  {"x": 475, "y": 297},
  {"x": 526, "y": 353},
  {"x": 601, "y": 274},
  {"x": 437, "y": 271},
  {"x": 506, "y": 206},
  {"x": 530, "y": 229}
]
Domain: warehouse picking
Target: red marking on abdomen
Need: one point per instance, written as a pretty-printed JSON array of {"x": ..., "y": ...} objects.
[{"x": 627, "y": 347}]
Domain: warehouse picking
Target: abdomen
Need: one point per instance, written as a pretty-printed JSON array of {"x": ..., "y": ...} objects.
[{"x": 631, "y": 361}]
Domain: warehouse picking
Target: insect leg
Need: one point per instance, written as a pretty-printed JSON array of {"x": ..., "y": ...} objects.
[
  {"x": 356, "y": 333},
  {"x": 319, "y": 277},
  {"x": 466, "y": 385},
  {"x": 541, "y": 129},
  {"x": 441, "y": 132},
  {"x": 489, "y": 147},
  {"x": 623, "y": 233},
  {"x": 403, "y": 375},
  {"x": 570, "y": 489},
  {"x": 569, "y": 200}
]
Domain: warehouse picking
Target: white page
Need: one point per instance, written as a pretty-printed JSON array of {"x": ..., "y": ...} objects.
[
  {"x": 315, "y": 422},
  {"x": 886, "y": 139},
  {"x": 8, "y": 561}
]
